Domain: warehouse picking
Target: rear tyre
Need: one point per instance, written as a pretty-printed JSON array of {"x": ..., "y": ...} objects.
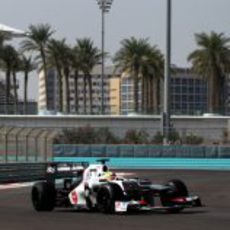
[{"x": 43, "y": 196}]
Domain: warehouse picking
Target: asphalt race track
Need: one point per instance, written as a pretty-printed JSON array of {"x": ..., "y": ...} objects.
[{"x": 16, "y": 211}]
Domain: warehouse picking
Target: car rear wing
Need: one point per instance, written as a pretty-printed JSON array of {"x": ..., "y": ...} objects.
[
  {"x": 103, "y": 161},
  {"x": 61, "y": 170}
]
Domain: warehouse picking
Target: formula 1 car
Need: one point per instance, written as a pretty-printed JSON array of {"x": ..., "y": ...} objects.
[{"x": 94, "y": 187}]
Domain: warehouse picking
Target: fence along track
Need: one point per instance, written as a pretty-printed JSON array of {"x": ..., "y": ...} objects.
[{"x": 18, "y": 144}]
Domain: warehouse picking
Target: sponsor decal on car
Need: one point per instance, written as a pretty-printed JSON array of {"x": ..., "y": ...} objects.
[{"x": 121, "y": 206}]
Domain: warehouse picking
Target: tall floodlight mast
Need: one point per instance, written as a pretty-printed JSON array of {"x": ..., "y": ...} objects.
[
  {"x": 104, "y": 6},
  {"x": 166, "y": 110}
]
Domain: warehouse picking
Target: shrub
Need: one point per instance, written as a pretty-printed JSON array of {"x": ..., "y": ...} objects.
[
  {"x": 105, "y": 136},
  {"x": 82, "y": 135},
  {"x": 158, "y": 138},
  {"x": 192, "y": 139},
  {"x": 174, "y": 137},
  {"x": 136, "y": 137},
  {"x": 86, "y": 135}
]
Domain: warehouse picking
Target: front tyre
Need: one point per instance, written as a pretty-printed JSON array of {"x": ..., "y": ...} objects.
[
  {"x": 43, "y": 196},
  {"x": 177, "y": 188},
  {"x": 89, "y": 203},
  {"x": 106, "y": 197}
]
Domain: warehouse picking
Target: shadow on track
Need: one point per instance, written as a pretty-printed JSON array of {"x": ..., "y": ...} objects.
[{"x": 133, "y": 213}]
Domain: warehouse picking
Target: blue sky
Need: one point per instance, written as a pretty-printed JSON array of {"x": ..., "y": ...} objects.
[{"x": 140, "y": 18}]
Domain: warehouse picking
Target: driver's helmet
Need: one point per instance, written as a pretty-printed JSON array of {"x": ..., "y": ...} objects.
[{"x": 108, "y": 175}]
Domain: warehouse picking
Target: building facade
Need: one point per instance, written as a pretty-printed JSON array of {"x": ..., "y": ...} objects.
[
  {"x": 127, "y": 95},
  {"x": 4, "y": 107},
  {"x": 53, "y": 92},
  {"x": 115, "y": 92},
  {"x": 11, "y": 107},
  {"x": 188, "y": 94}
]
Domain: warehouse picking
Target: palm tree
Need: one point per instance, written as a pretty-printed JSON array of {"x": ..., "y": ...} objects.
[
  {"x": 55, "y": 51},
  {"x": 59, "y": 56},
  {"x": 38, "y": 37},
  {"x": 76, "y": 68},
  {"x": 15, "y": 68},
  {"x": 4, "y": 37},
  {"x": 27, "y": 66},
  {"x": 139, "y": 59},
  {"x": 152, "y": 72},
  {"x": 66, "y": 63},
  {"x": 8, "y": 58},
  {"x": 212, "y": 60},
  {"x": 89, "y": 56}
]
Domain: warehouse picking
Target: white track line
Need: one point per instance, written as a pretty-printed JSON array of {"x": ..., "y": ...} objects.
[{"x": 15, "y": 185}]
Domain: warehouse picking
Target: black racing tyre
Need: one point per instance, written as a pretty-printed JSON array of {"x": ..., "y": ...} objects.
[
  {"x": 43, "y": 196},
  {"x": 89, "y": 204},
  {"x": 179, "y": 187},
  {"x": 106, "y": 197}
]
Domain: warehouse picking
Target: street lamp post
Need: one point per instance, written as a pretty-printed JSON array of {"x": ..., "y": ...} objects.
[
  {"x": 166, "y": 109},
  {"x": 104, "y": 6}
]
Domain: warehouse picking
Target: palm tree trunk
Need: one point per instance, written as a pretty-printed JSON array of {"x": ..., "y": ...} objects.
[
  {"x": 211, "y": 94},
  {"x": 145, "y": 95},
  {"x": 219, "y": 93},
  {"x": 25, "y": 92},
  {"x": 158, "y": 95},
  {"x": 154, "y": 94},
  {"x": 76, "y": 91},
  {"x": 15, "y": 93},
  {"x": 66, "y": 73},
  {"x": 150, "y": 95},
  {"x": 7, "y": 92},
  {"x": 142, "y": 95},
  {"x": 90, "y": 94},
  {"x": 84, "y": 93},
  {"x": 60, "y": 89},
  {"x": 135, "y": 92}
]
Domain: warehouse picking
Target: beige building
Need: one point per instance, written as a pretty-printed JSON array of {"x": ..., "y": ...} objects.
[
  {"x": 51, "y": 104},
  {"x": 115, "y": 93},
  {"x": 41, "y": 92}
]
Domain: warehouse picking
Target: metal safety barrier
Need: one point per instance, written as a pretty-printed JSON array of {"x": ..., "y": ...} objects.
[
  {"x": 138, "y": 151},
  {"x": 22, "y": 172}
]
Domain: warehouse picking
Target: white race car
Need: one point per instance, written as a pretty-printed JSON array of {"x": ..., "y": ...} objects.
[{"x": 94, "y": 187}]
